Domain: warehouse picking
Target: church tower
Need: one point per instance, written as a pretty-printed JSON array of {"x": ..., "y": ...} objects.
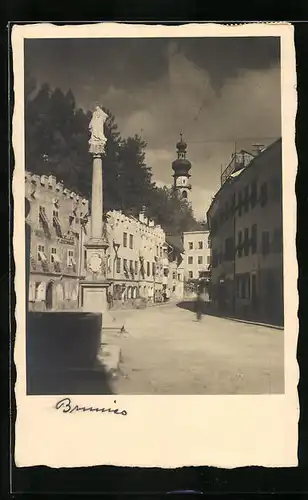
[{"x": 181, "y": 167}]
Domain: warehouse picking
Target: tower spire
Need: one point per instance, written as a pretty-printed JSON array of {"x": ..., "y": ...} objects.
[{"x": 181, "y": 167}]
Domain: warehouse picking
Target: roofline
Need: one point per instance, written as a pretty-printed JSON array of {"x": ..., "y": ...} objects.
[
  {"x": 244, "y": 170},
  {"x": 196, "y": 232}
]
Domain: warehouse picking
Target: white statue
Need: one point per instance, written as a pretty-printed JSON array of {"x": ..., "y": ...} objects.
[{"x": 98, "y": 140}]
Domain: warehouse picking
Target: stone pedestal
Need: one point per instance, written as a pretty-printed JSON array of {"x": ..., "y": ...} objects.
[{"x": 94, "y": 299}]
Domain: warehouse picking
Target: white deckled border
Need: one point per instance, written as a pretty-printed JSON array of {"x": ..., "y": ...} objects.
[{"x": 162, "y": 431}]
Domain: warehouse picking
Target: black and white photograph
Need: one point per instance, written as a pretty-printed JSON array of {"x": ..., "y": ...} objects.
[{"x": 154, "y": 223}]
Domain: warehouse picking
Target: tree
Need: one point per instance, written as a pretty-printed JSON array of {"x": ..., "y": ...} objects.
[{"x": 57, "y": 135}]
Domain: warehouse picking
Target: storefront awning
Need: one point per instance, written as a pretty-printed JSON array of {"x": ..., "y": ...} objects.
[
  {"x": 42, "y": 256},
  {"x": 56, "y": 258}
]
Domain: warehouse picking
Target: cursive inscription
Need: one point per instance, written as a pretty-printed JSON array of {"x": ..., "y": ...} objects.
[{"x": 66, "y": 406}]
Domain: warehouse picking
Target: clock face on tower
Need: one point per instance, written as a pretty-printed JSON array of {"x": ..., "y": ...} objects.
[{"x": 95, "y": 263}]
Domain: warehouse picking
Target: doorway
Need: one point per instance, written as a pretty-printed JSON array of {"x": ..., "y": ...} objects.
[{"x": 49, "y": 296}]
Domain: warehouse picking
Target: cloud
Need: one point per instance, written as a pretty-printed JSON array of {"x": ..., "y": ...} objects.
[
  {"x": 247, "y": 106},
  {"x": 159, "y": 89}
]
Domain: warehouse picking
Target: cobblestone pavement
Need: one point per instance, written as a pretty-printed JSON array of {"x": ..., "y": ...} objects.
[{"x": 166, "y": 351}]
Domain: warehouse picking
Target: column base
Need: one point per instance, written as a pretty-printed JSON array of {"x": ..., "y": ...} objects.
[{"x": 94, "y": 299}]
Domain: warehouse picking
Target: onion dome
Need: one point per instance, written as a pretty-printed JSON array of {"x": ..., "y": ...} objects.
[
  {"x": 181, "y": 165},
  {"x": 181, "y": 145}
]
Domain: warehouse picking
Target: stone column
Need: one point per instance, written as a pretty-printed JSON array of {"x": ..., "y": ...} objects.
[
  {"x": 97, "y": 198},
  {"x": 94, "y": 287}
]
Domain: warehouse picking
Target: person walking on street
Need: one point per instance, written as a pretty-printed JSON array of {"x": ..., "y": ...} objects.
[{"x": 198, "y": 305}]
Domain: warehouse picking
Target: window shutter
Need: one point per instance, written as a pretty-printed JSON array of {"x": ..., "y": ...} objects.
[
  {"x": 41, "y": 295},
  {"x": 32, "y": 291}
]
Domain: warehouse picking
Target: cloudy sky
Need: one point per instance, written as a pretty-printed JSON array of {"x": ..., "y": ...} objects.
[{"x": 215, "y": 90}]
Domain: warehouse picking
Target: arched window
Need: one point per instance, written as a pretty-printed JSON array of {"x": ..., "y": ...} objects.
[{"x": 184, "y": 194}]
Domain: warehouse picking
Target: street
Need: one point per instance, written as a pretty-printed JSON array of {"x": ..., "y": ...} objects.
[{"x": 166, "y": 351}]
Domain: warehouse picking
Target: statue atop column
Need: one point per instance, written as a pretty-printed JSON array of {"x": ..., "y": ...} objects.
[{"x": 98, "y": 139}]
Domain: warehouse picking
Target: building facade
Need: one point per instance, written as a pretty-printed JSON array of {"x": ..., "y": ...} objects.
[
  {"x": 245, "y": 220},
  {"x": 55, "y": 219},
  {"x": 134, "y": 258},
  {"x": 174, "y": 269},
  {"x": 140, "y": 263},
  {"x": 197, "y": 254}
]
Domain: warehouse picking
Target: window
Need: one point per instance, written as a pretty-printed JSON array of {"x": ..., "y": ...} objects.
[
  {"x": 263, "y": 194},
  {"x": 131, "y": 241},
  {"x": 246, "y": 199},
  {"x": 136, "y": 266},
  {"x": 254, "y": 242},
  {"x": 200, "y": 259},
  {"x": 208, "y": 259},
  {"x": 118, "y": 265},
  {"x": 125, "y": 240},
  {"x": 240, "y": 243},
  {"x": 43, "y": 221},
  {"x": 265, "y": 243},
  {"x": 190, "y": 260},
  {"x": 229, "y": 249},
  {"x": 85, "y": 259},
  {"x": 190, "y": 275},
  {"x": 243, "y": 286},
  {"x": 240, "y": 204},
  {"x": 246, "y": 242},
  {"x": 40, "y": 252},
  {"x": 254, "y": 193},
  {"x": 200, "y": 245},
  {"x": 190, "y": 245},
  {"x": 53, "y": 252},
  {"x": 125, "y": 268},
  {"x": 131, "y": 267},
  {"x": 166, "y": 272},
  {"x": 153, "y": 268},
  {"x": 55, "y": 213},
  {"x": 226, "y": 210},
  {"x": 276, "y": 189},
  {"x": 148, "y": 269},
  {"x": 179, "y": 277},
  {"x": 277, "y": 240},
  {"x": 174, "y": 275},
  {"x": 214, "y": 259},
  {"x": 70, "y": 258},
  {"x": 233, "y": 203}
]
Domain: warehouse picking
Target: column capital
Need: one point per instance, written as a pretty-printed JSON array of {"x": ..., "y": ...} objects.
[{"x": 97, "y": 149}]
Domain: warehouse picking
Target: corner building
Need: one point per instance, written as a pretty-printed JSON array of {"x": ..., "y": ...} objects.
[
  {"x": 197, "y": 254},
  {"x": 134, "y": 257},
  {"x": 56, "y": 219},
  {"x": 245, "y": 220}
]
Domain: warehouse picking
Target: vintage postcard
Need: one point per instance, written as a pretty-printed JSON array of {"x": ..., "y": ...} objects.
[{"x": 154, "y": 243}]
